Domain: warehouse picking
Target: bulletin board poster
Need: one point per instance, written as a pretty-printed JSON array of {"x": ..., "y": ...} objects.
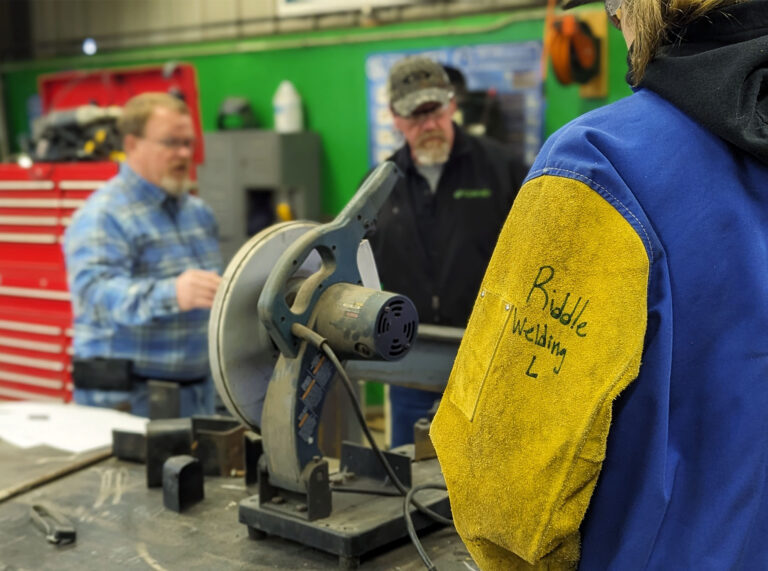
[{"x": 505, "y": 78}]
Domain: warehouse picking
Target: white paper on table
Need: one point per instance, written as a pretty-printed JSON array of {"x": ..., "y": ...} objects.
[{"x": 69, "y": 427}]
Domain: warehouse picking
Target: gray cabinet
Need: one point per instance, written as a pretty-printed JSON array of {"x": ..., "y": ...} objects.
[{"x": 250, "y": 175}]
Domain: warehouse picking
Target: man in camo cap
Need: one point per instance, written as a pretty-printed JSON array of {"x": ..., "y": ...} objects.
[
  {"x": 437, "y": 230},
  {"x": 422, "y": 104}
]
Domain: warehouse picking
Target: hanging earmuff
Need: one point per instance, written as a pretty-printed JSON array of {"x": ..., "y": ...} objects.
[{"x": 574, "y": 50}]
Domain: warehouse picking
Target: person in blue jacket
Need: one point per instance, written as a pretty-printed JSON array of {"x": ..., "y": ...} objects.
[{"x": 607, "y": 408}]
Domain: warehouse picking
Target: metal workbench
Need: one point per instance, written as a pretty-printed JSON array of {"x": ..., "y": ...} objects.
[{"x": 122, "y": 524}]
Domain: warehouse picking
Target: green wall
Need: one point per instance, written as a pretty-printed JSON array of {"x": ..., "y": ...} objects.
[{"x": 330, "y": 78}]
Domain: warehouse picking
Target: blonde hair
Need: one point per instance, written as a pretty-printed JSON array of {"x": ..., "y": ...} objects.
[
  {"x": 657, "y": 22},
  {"x": 139, "y": 108}
]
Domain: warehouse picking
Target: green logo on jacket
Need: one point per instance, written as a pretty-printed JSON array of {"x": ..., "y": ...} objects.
[{"x": 477, "y": 193}]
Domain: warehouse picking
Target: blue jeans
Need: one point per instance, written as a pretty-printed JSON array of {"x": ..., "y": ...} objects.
[
  {"x": 194, "y": 399},
  {"x": 408, "y": 406}
]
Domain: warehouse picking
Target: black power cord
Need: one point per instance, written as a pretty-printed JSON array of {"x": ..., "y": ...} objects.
[
  {"x": 314, "y": 338},
  {"x": 369, "y": 491},
  {"x": 409, "y": 521}
]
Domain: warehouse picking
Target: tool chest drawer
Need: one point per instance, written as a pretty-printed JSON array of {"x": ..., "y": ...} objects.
[{"x": 36, "y": 206}]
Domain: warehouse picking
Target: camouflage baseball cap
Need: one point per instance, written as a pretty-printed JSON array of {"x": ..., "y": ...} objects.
[
  {"x": 611, "y": 6},
  {"x": 416, "y": 80}
]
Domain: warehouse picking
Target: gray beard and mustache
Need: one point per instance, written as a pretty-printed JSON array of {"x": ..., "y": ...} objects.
[
  {"x": 431, "y": 148},
  {"x": 176, "y": 187}
]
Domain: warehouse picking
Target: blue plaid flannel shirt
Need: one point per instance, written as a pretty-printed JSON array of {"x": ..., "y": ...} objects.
[{"x": 124, "y": 249}]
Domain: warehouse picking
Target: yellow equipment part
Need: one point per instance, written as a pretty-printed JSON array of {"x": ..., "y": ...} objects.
[{"x": 284, "y": 212}]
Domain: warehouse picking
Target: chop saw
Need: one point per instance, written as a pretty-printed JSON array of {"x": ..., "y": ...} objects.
[{"x": 299, "y": 309}]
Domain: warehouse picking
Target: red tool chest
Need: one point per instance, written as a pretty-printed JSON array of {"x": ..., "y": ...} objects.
[{"x": 36, "y": 205}]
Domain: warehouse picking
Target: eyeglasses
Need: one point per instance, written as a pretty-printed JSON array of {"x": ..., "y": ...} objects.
[
  {"x": 613, "y": 10},
  {"x": 175, "y": 144},
  {"x": 615, "y": 20}
]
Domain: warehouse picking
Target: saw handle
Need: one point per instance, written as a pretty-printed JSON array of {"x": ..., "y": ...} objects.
[{"x": 337, "y": 243}]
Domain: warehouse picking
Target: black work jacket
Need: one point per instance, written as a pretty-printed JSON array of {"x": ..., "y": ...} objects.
[{"x": 434, "y": 247}]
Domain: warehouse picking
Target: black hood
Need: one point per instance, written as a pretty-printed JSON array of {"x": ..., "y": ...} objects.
[{"x": 717, "y": 73}]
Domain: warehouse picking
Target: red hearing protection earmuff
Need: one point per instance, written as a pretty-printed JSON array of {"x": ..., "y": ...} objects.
[{"x": 574, "y": 49}]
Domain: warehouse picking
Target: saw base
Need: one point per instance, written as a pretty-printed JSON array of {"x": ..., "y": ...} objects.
[{"x": 358, "y": 524}]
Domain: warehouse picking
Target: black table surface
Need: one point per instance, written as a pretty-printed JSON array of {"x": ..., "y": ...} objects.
[{"x": 123, "y": 524}]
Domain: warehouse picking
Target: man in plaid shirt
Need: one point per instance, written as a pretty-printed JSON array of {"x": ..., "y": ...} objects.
[{"x": 143, "y": 266}]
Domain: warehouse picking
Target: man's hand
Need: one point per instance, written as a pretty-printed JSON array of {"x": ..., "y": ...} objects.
[{"x": 196, "y": 289}]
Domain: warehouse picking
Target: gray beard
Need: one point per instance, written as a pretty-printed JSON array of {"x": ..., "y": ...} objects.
[
  {"x": 431, "y": 155},
  {"x": 176, "y": 187}
]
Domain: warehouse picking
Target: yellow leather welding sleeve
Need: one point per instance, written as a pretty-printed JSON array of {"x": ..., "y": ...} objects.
[{"x": 555, "y": 335}]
